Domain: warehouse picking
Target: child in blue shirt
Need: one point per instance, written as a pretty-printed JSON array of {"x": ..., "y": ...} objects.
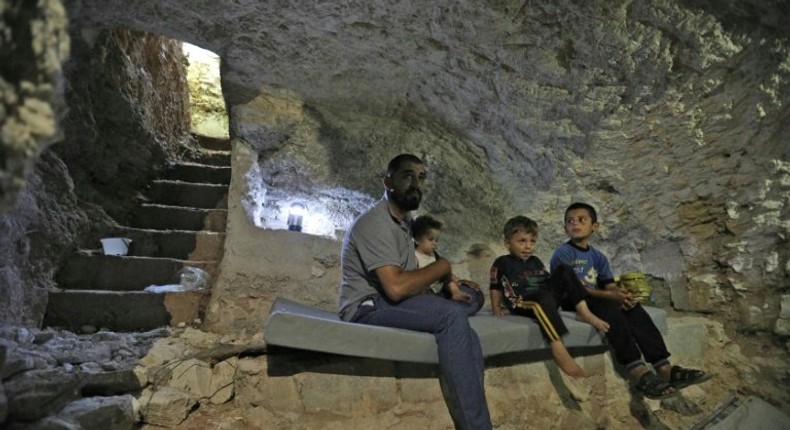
[{"x": 632, "y": 333}]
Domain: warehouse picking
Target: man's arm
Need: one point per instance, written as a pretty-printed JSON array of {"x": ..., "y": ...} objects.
[{"x": 399, "y": 284}]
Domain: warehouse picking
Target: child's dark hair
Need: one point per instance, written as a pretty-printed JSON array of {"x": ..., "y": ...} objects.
[
  {"x": 520, "y": 223},
  {"x": 422, "y": 224},
  {"x": 590, "y": 210}
]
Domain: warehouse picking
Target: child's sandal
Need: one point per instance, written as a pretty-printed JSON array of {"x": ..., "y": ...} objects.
[
  {"x": 680, "y": 377},
  {"x": 654, "y": 388}
]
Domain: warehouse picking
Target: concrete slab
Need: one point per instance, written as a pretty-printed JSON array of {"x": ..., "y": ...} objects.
[
  {"x": 176, "y": 193},
  {"x": 211, "y": 157},
  {"x": 123, "y": 273},
  {"x": 123, "y": 310},
  {"x": 199, "y": 173},
  {"x": 164, "y": 217},
  {"x": 179, "y": 244},
  {"x": 752, "y": 413}
]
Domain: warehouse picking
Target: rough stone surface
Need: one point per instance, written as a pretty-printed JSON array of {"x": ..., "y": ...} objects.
[
  {"x": 308, "y": 390},
  {"x": 35, "y": 45},
  {"x": 127, "y": 118},
  {"x": 51, "y": 377},
  {"x": 111, "y": 413},
  {"x": 166, "y": 407},
  {"x": 128, "y": 113}
]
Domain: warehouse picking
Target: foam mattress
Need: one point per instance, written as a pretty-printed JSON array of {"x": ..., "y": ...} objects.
[{"x": 294, "y": 325}]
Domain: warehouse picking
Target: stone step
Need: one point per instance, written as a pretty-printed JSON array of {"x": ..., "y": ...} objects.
[
  {"x": 123, "y": 311},
  {"x": 213, "y": 143},
  {"x": 176, "y": 193},
  {"x": 199, "y": 173},
  {"x": 88, "y": 270},
  {"x": 179, "y": 244},
  {"x": 211, "y": 158},
  {"x": 163, "y": 217}
]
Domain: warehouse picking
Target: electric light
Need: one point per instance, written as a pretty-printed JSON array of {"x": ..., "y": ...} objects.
[{"x": 295, "y": 216}]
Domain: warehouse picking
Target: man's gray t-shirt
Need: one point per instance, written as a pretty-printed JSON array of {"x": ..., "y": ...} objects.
[{"x": 375, "y": 240}]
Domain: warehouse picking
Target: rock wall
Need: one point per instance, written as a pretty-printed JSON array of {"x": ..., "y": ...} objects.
[
  {"x": 669, "y": 117},
  {"x": 35, "y": 45},
  {"x": 292, "y": 389},
  {"x": 128, "y": 113},
  {"x": 127, "y": 118}
]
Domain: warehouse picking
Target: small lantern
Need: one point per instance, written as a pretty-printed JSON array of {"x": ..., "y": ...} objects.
[{"x": 295, "y": 216}]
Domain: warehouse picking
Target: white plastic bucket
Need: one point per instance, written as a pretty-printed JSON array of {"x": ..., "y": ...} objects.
[{"x": 116, "y": 245}]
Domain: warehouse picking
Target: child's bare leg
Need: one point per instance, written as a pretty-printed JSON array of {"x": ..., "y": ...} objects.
[
  {"x": 584, "y": 314},
  {"x": 564, "y": 361}
]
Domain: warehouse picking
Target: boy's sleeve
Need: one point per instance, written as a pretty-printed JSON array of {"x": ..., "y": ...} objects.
[
  {"x": 604, "y": 270},
  {"x": 493, "y": 276},
  {"x": 559, "y": 257}
]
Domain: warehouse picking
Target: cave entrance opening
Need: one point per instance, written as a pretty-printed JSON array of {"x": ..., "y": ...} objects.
[{"x": 206, "y": 104}]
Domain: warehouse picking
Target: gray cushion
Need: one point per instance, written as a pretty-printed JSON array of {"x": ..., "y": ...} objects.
[{"x": 294, "y": 325}]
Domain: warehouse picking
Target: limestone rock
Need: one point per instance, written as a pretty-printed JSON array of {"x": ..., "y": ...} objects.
[
  {"x": 192, "y": 376},
  {"x": 111, "y": 413},
  {"x": 40, "y": 393},
  {"x": 221, "y": 385},
  {"x": 165, "y": 406}
]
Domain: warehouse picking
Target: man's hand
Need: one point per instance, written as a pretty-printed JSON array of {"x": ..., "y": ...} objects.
[
  {"x": 453, "y": 287},
  {"x": 460, "y": 296},
  {"x": 399, "y": 284},
  {"x": 471, "y": 284}
]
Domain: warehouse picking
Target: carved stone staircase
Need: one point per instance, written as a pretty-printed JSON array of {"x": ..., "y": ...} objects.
[{"x": 180, "y": 224}]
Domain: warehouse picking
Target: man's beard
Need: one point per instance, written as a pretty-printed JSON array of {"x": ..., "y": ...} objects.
[{"x": 408, "y": 201}]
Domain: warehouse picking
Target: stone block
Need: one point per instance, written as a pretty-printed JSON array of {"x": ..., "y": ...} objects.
[
  {"x": 751, "y": 317},
  {"x": 785, "y": 306},
  {"x": 347, "y": 395},
  {"x": 701, "y": 292},
  {"x": 782, "y": 327},
  {"x": 687, "y": 339},
  {"x": 39, "y": 393},
  {"x": 680, "y": 295},
  {"x": 593, "y": 364},
  {"x": 185, "y": 307},
  {"x": 252, "y": 366},
  {"x": 222, "y": 379},
  {"x": 258, "y": 417},
  {"x": 16, "y": 364},
  {"x": 277, "y": 394},
  {"x": 192, "y": 376},
  {"x": 165, "y": 406},
  {"x": 163, "y": 351},
  {"x": 420, "y": 390},
  {"x": 84, "y": 353},
  {"x": 107, "y": 413},
  {"x": 109, "y": 383}
]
